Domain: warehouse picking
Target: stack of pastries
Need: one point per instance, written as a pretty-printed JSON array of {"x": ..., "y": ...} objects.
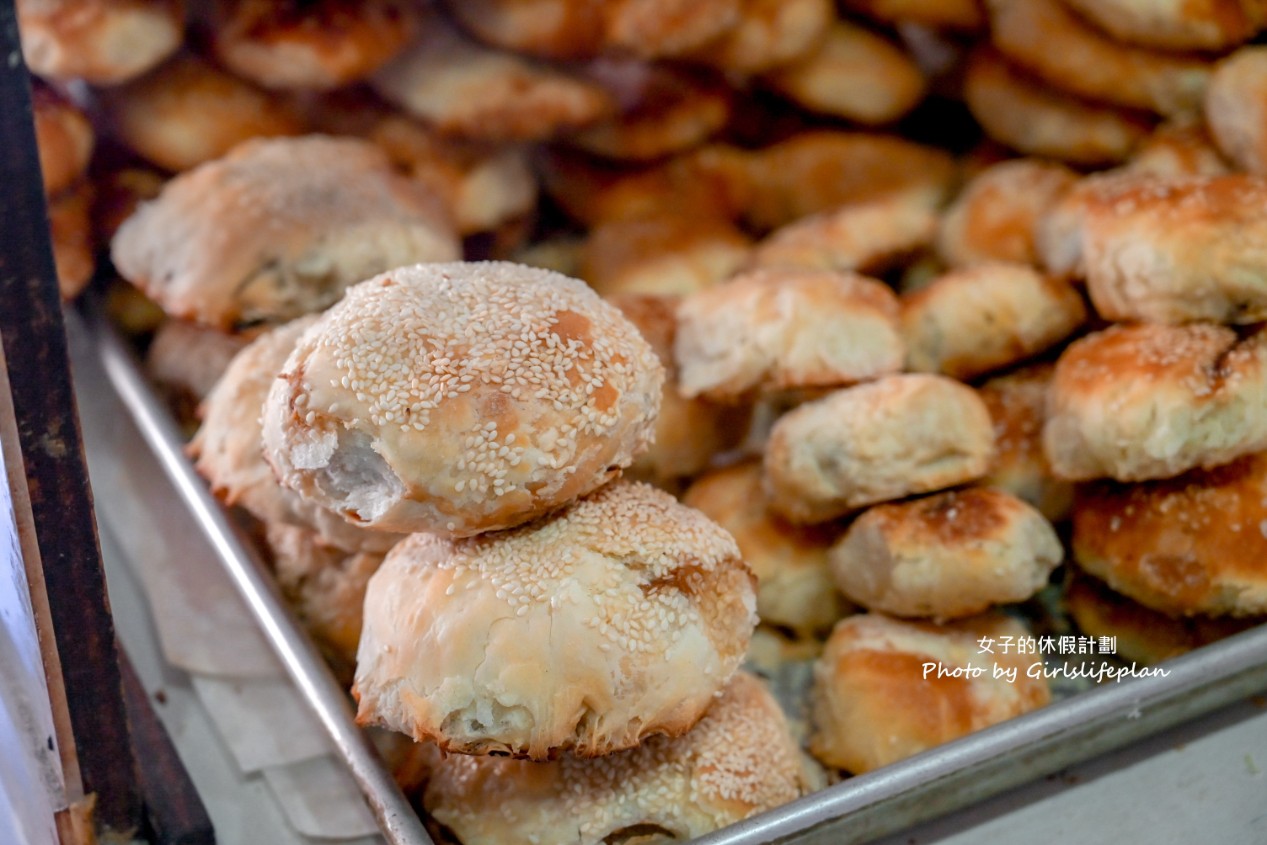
[{"x": 528, "y": 332}]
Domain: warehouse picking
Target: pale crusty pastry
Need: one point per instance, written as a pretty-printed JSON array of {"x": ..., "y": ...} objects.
[
  {"x": 854, "y": 73},
  {"x": 821, "y": 169},
  {"x": 1176, "y": 24},
  {"x": 64, "y": 136},
  {"x": 947, "y": 555},
  {"x": 769, "y": 34},
  {"x": 662, "y": 254},
  {"x": 739, "y": 760},
  {"x": 995, "y": 216},
  {"x": 663, "y": 111},
  {"x": 870, "y": 236},
  {"x": 1178, "y": 250},
  {"x": 885, "y": 689},
  {"x": 461, "y": 398},
  {"x": 1182, "y": 546},
  {"x": 893, "y": 437},
  {"x": 187, "y": 111},
  {"x": 578, "y": 29},
  {"x": 1019, "y": 112},
  {"x": 103, "y": 42},
  {"x": 1153, "y": 401},
  {"x": 278, "y": 228},
  {"x": 228, "y": 448},
  {"x": 795, "y": 590},
  {"x": 484, "y": 185},
  {"x": 70, "y": 228},
  {"x": 982, "y": 318},
  {"x": 589, "y": 630},
  {"x": 1139, "y": 633},
  {"x": 965, "y": 15},
  {"x": 325, "y": 586},
  {"x": 776, "y": 329},
  {"x": 1017, "y": 402},
  {"x": 310, "y": 44},
  {"x": 464, "y": 88},
  {"x": 1049, "y": 40},
  {"x": 688, "y": 432},
  {"x": 1236, "y": 108},
  {"x": 189, "y": 359}
]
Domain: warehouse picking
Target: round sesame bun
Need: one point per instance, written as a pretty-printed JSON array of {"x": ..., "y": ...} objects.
[
  {"x": 64, "y": 136},
  {"x": 895, "y": 437},
  {"x": 795, "y": 590},
  {"x": 228, "y": 448},
  {"x": 613, "y": 620},
  {"x": 1152, "y": 401},
  {"x": 278, "y": 228},
  {"x": 946, "y": 556},
  {"x": 1017, "y": 402},
  {"x": 971, "y": 321},
  {"x": 776, "y": 329},
  {"x": 1236, "y": 108},
  {"x": 885, "y": 689},
  {"x": 310, "y": 45},
  {"x": 1192, "y": 544},
  {"x": 1139, "y": 633},
  {"x": 461, "y": 398},
  {"x": 1178, "y": 251},
  {"x": 738, "y": 761},
  {"x": 103, "y": 42},
  {"x": 1175, "y": 24},
  {"x": 994, "y": 217}
]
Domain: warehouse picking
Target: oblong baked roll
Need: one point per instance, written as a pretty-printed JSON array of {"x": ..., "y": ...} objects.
[
  {"x": 1182, "y": 546},
  {"x": 590, "y": 630},
  {"x": 278, "y": 228},
  {"x": 738, "y": 761},
  {"x": 1236, "y": 108},
  {"x": 894, "y": 437},
  {"x": 885, "y": 689},
  {"x": 461, "y": 398},
  {"x": 947, "y": 555},
  {"x": 64, "y": 136},
  {"x": 1153, "y": 401},
  {"x": 103, "y": 42},
  {"x": 1178, "y": 251},
  {"x": 974, "y": 320},
  {"x": 775, "y": 329}
]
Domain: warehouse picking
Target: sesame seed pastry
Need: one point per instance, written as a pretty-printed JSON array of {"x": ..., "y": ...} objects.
[
  {"x": 738, "y": 761},
  {"x": 591, "y": 629},
  {"x": 460, "y": 398}
]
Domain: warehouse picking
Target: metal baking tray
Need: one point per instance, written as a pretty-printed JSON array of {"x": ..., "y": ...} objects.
[{"x": 859, "y": 809}]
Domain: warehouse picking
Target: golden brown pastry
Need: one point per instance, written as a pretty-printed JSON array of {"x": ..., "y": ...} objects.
[
  {"x": 590, "y": 630},
  {"x": 768, "y": 34},
  {"x": 893, "y": 437},
  {"x": 1018, "y": 407},
  {"x": 1236, "y": 108},
  {"x": 1050, "y": 41},
  {"x": 885, "y": 689},
  {"x": 946, "y": 556},
  {"x": 778, "y": 329},
  {"x": 738, "y": 761},
  {"x": 1177, "y": 250},
  {"x": 103, "y": 42},
  {"x": 1178, "y": 148},
  {"x": 278, "y": 228},
  {"x": 187, "y": 111},
  {"x": 70, "y": 228},
  {"x": 1194, "y": 544},
  {"x": 64, "y": 136},
  {"x": 975, "y": 320},
  {"x": 1175, "y": 24},
  {"x": 310, "y": 44},
  {"x": 662, "y": 254},
  {"x": 461, "y": 398},
  {"x": 1153, "y": 401},
  {"x": 464, "y": 88},
  {"x": 994, "y": 217},
  {"x": 688, "y": 432},
  {"x": 854, "y": 73},
  {"x": 795, "y": 590},
  {"x": 1019, "y": 112}
]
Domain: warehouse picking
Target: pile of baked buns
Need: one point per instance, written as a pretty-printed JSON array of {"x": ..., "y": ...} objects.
[{"x": 585, "y": 366}]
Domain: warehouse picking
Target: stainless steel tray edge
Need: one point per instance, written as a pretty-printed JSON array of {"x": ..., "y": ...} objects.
[{"x": 858, "y": 810}]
